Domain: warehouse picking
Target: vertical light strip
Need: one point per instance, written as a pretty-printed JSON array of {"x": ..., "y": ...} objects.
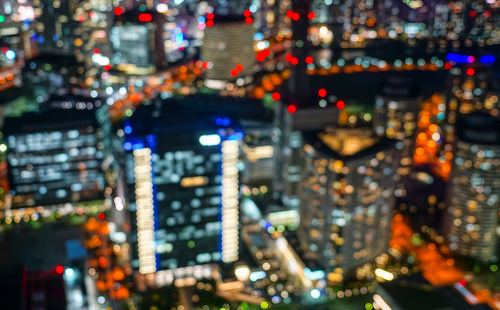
[
  {"x": 229, "y": 201},
  {"x": 145, "y": 211},
  {"x": 381, "y": 302}
]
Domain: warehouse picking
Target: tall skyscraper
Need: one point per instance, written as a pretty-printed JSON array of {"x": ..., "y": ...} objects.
[
  {"x": 475, "y": 188},
  {"x": 346, "y": 199},
  {"x": 228, "y": 48},
  {"x": 305, "y": 118},
  {"x": 396, "y": 113},
  {"x": 57, "y": 24},
  {"x": 182, "y": 165},
  {"x": 137, "y": 42},
  {"x": 54, "y": 161}
]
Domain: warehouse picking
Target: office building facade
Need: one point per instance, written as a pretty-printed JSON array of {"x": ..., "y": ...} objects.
[
  {"x": 228, "y": 48},
  {"x": 395, "y": 116},
  {"x": 474, "y": 191},
  {"x": 347, "y": 198},
  {"x": 183, "y": 169},
  {"x": 54, "y": 159}
]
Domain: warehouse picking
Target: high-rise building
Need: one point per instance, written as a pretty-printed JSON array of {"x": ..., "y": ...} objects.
[
  {"x": 56, "y": 25},
  {"x": 137, "y": 42},
  {"x": 289, "y": 162},
  {"x": 396, "y": 113},
  {"x": 258, "y": 153},
  {"x": 475, "y": 188},
  {"x": 346, "y": 198},
  {"x": 54, "y": 161},
  {"x": 228, "y": 48},
  {"x": 182, "y": 164},
  {"x": 47, "y": 74}
]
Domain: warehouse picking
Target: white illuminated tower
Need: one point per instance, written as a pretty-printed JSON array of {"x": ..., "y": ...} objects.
[
  {"x": 230, "y": 210},
  {"x": 474, "y": 192},
  {"x": 144, "y": 210}
]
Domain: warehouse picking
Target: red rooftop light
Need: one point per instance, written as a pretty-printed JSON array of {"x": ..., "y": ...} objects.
[
  {"x": 118, "y": 11},
  {"x": 263, "y": 55},
  {"x": 145, "y": 17}
]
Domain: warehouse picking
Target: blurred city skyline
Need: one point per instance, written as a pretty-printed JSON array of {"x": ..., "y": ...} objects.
[{"x": 277, "y": 154}]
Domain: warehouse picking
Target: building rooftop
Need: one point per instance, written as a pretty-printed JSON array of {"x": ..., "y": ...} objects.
[
  {"x": 479, "y": 128},
  {"x": 56, "y": 62},
  {"x": 228, "y": 19},
  {"x": 196, "y": 112},
  {"x": 47, "y": 120},
  {"x": 73, "y": 101},
  {"x": 399, "y": 87},
  {"x": 347, "y": 143},
  {"x": 403, "y": 294}
]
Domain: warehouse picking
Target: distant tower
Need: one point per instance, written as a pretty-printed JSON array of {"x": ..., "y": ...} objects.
[
  {"x": 346, "y": 198},
  {"x": 58, "y": 26},
  {"x": 228, "y": 48},
  {"x": 475, "y": 188},
  {"x": 137, "y": 42},
  {"x": 396, "y": 113},
  {"x": 298, "y": 85}
]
